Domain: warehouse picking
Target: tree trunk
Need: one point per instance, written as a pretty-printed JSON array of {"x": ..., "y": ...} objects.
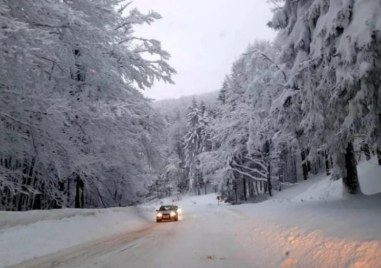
[
  {"x": 261, "y": 186},
  {"x": 68, "y": 192},
  {"x": 235, "y": 188},
  {"x": 79, "y": 193},
  {"x": 251, "y": 189},
  {"x": 83, "y": 195},
  {"x": 244, "y": 188},
  {"x": 77, "y": 189},
  {"x": 327, "y": 167},
  {"x": 350, "y": 180},
  {"x": 379, "y": 154},
  {"x": 304, "y": 165},
  {"x": 366, "y": 150},
  {"x": 40, "y": 198},
  {"x": 308, "y": 161},
  {"x": 295, "y": 167},
  {"x": 269, "y": 179}
]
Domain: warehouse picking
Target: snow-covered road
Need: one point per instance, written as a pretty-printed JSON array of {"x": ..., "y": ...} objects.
[
  {"x": 235, "y": 236},
  {"x": 210, "y": 237}
]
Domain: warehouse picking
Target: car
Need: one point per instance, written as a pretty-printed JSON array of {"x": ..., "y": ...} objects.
[{"x": 167, "y": 213}]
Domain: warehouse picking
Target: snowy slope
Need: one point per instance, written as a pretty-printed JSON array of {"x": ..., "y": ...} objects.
[{"x": 322, "y": 188}]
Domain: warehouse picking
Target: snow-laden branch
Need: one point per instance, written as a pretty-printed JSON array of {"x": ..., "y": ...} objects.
[
  {"x": 17, "y": 120},
  {"x": 135, "y": 38},
  {"x": 251, "y": 169},
  {"x": 50, "y": 60},
  {"x": 270, "y": 60},
  {"x": 48, "y": 26},
  {"x": 248, "y": 175},
  {"x": 257, "y": 162},
  {"x": 123, "y": 7}
]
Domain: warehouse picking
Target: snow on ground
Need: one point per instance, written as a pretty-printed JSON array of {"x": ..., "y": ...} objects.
[
  {"x": 370, "y": 176},
  {"x": 314, "y": 225},
  {"x": 310, "y": 224},
  {"x": 341, "y": 233},
  {"x": 26, "y": 235},
  {"x": 31, "y": 234},
  {"x": 322, "y": 188}
]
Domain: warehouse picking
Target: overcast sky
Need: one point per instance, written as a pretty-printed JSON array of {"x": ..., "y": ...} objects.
[{"x": 204, "y": 37}]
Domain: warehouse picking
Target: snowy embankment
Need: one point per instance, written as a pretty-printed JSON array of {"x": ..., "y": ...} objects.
[
  {"x": 31, "y": 234},
  {"x": 314, "y": 225},
  {"x": 26, "y": 235}
]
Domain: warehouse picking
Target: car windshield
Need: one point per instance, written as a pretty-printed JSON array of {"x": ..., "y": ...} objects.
[{"x": 166, "y": 208}]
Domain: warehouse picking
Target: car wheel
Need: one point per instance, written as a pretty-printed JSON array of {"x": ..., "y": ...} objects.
[
  {"x": 177, "y": 218},
  {"x": 157, "y": 220}
]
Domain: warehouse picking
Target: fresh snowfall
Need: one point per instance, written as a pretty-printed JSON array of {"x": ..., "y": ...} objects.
[{"x": 279, "y": 167}]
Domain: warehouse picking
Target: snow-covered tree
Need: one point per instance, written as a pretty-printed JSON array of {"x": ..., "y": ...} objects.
[
  {"x": 332, "y": 51},
  {"x": 196, "y": 140},
  {"x": 173, "y": 147},
  {"x": 192, "y": 139},
  {"x": 246, "y": 123},
  {"x": 75, "y": 131}
]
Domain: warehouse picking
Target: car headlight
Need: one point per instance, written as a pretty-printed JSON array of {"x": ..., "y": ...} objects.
[
  {"x": 159, "y": 215},
  {"x": 179, "y": 211},
  {"x": 173, "y": 214}
]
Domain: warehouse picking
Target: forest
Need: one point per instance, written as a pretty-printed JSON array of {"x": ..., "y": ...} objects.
[{"x": 77, "y": 132}]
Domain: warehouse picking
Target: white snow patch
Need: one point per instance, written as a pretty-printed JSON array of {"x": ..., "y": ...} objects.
[
  {"x": 325, "y": 190},
  {"x": 369, "y": 173}
]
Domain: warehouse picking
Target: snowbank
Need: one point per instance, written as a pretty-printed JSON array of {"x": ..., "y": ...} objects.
[
  {"x": 322, "y": 188},
  {"x": 37, "y": 233},
  {"x": 313, "y": 225}
]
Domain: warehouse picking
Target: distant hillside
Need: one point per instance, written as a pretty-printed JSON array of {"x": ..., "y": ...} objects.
[{"x": 172, "y": 107}]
